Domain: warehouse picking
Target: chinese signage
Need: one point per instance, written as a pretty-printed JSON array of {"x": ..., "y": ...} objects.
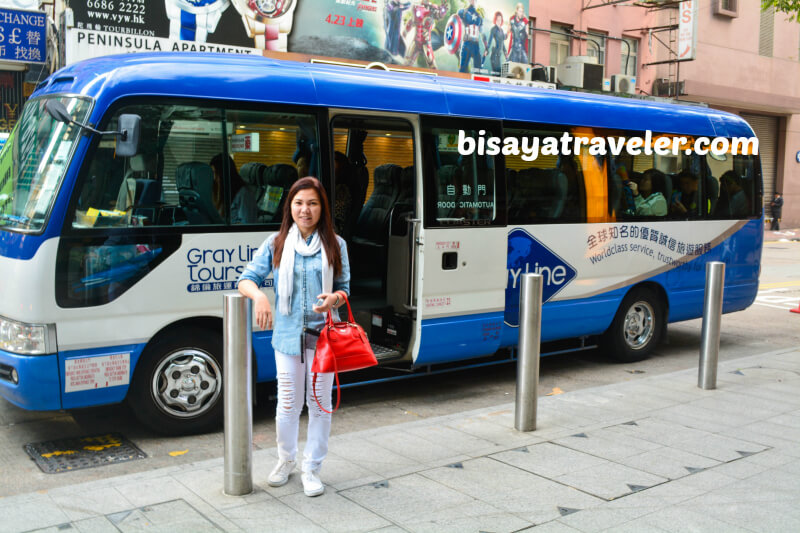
[
  {"x": 23, "y": 36},
  {"x": 687, "y": 30},
  {"x": 474, "y": 36}
]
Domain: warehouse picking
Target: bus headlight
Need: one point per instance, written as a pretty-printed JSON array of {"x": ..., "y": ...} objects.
[{"x": 27, "y": 339}]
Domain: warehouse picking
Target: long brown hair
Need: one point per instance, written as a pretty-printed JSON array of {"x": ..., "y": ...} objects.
[{"x": 324, "y": 226}]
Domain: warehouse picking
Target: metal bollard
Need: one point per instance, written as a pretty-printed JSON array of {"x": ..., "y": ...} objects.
[
  {"x": 712, "y": 316},
  {"x": 237, "y": 323},
  {"x": 530, "y": 333}
]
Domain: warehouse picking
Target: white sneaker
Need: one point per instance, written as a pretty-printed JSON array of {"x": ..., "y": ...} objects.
[
  {"x": 312, "y": 486},
  {"x": 280, "y": 474}
]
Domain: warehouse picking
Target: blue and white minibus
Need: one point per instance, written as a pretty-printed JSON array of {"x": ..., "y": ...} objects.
[{"x": 121, "y": 221}]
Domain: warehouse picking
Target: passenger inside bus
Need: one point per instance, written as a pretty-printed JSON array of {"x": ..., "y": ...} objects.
[
  {"x": 733, "y": 201},
  {"x": 649, "y": 202},
  {"x": 243, "y": 197},
  {"x": 686, "y": 198}
]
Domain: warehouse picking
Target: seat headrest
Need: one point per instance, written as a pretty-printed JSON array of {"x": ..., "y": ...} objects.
[
  {"x": 387, "y": 175},
  {"x": 194, "y": 176},
  {"x": 280, "y": 175},
  {"x": 407, "y": 177},
  {"x": 252, "y": 173}
]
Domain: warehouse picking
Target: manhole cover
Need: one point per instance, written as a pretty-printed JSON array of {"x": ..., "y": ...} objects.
[{"x": 63, "y": 455}]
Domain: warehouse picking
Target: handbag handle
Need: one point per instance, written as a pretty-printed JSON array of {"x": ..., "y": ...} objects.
[{"x": 350, "y": 319}]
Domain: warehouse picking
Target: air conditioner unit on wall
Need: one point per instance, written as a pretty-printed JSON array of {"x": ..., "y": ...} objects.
[
  {"x": 546, "y": 74},
  {"x": 623, "y": 84},
  {"x": 583, "y": 75},
  {"x": 518, "y": 71}
]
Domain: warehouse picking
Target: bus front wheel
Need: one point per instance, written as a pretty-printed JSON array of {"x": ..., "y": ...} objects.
[
  {"x": 177, "y": 386},
  {"x": 637, "y": 326}
]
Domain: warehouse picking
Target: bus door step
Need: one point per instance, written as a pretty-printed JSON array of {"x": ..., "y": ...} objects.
[{"x": 385, "y": 353}]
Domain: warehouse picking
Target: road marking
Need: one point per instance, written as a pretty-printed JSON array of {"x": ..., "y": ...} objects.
[{"x": 773, "y": 298}]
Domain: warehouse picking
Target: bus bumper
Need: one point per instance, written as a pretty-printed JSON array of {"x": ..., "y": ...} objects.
[{"x": 37, "y": 383}]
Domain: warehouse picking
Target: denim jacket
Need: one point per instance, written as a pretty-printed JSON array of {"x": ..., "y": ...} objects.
[{"x": 307, "y": 284}]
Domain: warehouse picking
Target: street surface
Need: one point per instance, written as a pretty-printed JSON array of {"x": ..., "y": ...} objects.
[{"x": 767, "y": 325}]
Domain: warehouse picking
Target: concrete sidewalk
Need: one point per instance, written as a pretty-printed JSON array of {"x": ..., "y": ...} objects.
[{"x": 654, "y": 454}]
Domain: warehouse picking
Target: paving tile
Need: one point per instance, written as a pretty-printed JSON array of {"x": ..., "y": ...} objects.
[
  {"x": 148, "y": 491},
  {"x": 527, "y": 495},
  {"x": 706, "y": 481},
  {"x": 639, "y": 525},
  {"x": 33, "y": 511},
  {"x": 669, "y": 463},
  {"x": 657, "y": 431},
  {"x": 601, "y": 518},
  {"x": 548, "y": 460},
  {"x": 554, "y": 526},
  {"x": 682, "y": 519},
  {"x": 719, "y": 447},
  {"x": 79, "y": 503},
  {"x": 775, "y": 430},
  {"x": 501, "y": 436},
  {"x": 790, "y": 419},
  {"x": 610, "y": 481},
  {"x": 209, "y": 484},
  {"x": 334, "y": 512},
  {"x": 375, "y": 458},
  {"x": 406, "y": 499},
  {"x": 741, "y": 468},
  {"x": 701, "y": 418},
  {"x": 613, "y": 450},
  {"x": 459, "y": 441},
  {"x": 475, "y": 516},
  {"x": 99, "y": 524},
  {"x": 777, "y": 478},
  {"x": 175, "y": 515},
  {"x": 270, "y": 515},
  {"x": 785, "y": 446}
]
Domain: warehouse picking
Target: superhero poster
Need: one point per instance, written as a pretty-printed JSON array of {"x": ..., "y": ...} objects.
[{"x": 472, "y": 36}]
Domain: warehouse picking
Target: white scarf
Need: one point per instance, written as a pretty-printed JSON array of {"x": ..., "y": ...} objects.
[{"x": 296, "y": 243}]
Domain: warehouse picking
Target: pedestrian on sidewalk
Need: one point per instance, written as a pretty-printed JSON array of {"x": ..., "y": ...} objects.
[
  {"x": 775, "y": 208},
  {"x": 311, "y": 276}
]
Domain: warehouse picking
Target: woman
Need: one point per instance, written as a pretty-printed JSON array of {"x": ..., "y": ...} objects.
[
  {"x": 312, "y": 275},
  {"x": 497, "y": 38},
  {"x": 648, "y": 203},
  {"x": 243, "y": 203}
]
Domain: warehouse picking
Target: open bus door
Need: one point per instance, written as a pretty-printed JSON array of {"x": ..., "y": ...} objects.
[{"x": 461, "y": 245}]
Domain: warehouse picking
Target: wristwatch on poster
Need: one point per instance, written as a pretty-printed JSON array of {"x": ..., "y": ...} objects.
[
  {"x": 193, "y": 20},
  {"x": 268, "y": 22}
]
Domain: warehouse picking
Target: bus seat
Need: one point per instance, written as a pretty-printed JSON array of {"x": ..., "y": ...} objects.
[
  {"x": 558, "y": 193},
  {"x": 373, "y": 221},
  {"x": 148, "y": 199},
  {"x": 276, "y": 182},
  {"x": 615, "y": 194},
  {"x": 404, "y": 204},
  {"x": 195, "y": 181},
  {"x": 137, "y": 168}
]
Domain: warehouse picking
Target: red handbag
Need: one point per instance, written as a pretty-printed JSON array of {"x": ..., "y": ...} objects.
[{"x": 341, "y": 347}]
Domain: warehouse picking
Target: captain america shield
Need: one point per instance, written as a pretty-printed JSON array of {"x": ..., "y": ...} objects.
[{"x": 453, "y": 34}]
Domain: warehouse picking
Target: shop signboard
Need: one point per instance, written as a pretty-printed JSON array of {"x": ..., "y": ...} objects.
[{"x": 23, "y": 36}]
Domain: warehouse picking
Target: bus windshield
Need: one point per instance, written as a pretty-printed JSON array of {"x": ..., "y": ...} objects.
[{"x": 33, "y": 162}]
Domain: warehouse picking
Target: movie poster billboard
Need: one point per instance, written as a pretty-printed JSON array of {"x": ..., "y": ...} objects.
[{"x": 472, "y": 36}]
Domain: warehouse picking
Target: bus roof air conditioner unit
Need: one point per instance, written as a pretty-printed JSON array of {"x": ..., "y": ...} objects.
[
  {"x": 517, "y": 71},
  {"x": 623, "y": 84}
]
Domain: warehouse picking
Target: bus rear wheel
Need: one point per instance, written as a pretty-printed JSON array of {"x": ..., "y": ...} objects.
[
  {"x": 637, "y": 327},
  {"x": 177, "y": 386}
]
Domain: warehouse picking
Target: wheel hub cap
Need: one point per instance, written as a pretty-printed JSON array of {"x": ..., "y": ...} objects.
[
  {"x": 639, "y": 327},
  {"x": 187, "y": 383}
]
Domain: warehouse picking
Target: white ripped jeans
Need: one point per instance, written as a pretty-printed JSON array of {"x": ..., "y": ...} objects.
[{"x": 294, "y": 386}]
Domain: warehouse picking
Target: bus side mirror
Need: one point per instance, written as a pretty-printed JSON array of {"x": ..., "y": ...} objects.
[{"x": 128, "y": 135}]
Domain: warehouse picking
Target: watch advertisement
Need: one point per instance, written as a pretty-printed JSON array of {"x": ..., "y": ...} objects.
[{"x": 470, "y": 36}]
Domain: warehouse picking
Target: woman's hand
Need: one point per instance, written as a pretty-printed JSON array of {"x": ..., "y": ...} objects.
[
  {"x": 329, "y": 301},
  {"x": 263, "y": 311}
]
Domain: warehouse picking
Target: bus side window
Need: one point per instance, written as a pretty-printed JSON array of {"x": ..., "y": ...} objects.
[
  {"x": 461, "y": 188},
  {"x": 733, "y": 186}
]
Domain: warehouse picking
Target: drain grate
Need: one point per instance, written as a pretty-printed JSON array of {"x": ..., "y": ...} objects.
[{"x": 63, "y": 455}]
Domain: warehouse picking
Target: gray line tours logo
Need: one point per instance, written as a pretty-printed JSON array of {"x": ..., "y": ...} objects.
[{"x": 526, "y": 254}]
